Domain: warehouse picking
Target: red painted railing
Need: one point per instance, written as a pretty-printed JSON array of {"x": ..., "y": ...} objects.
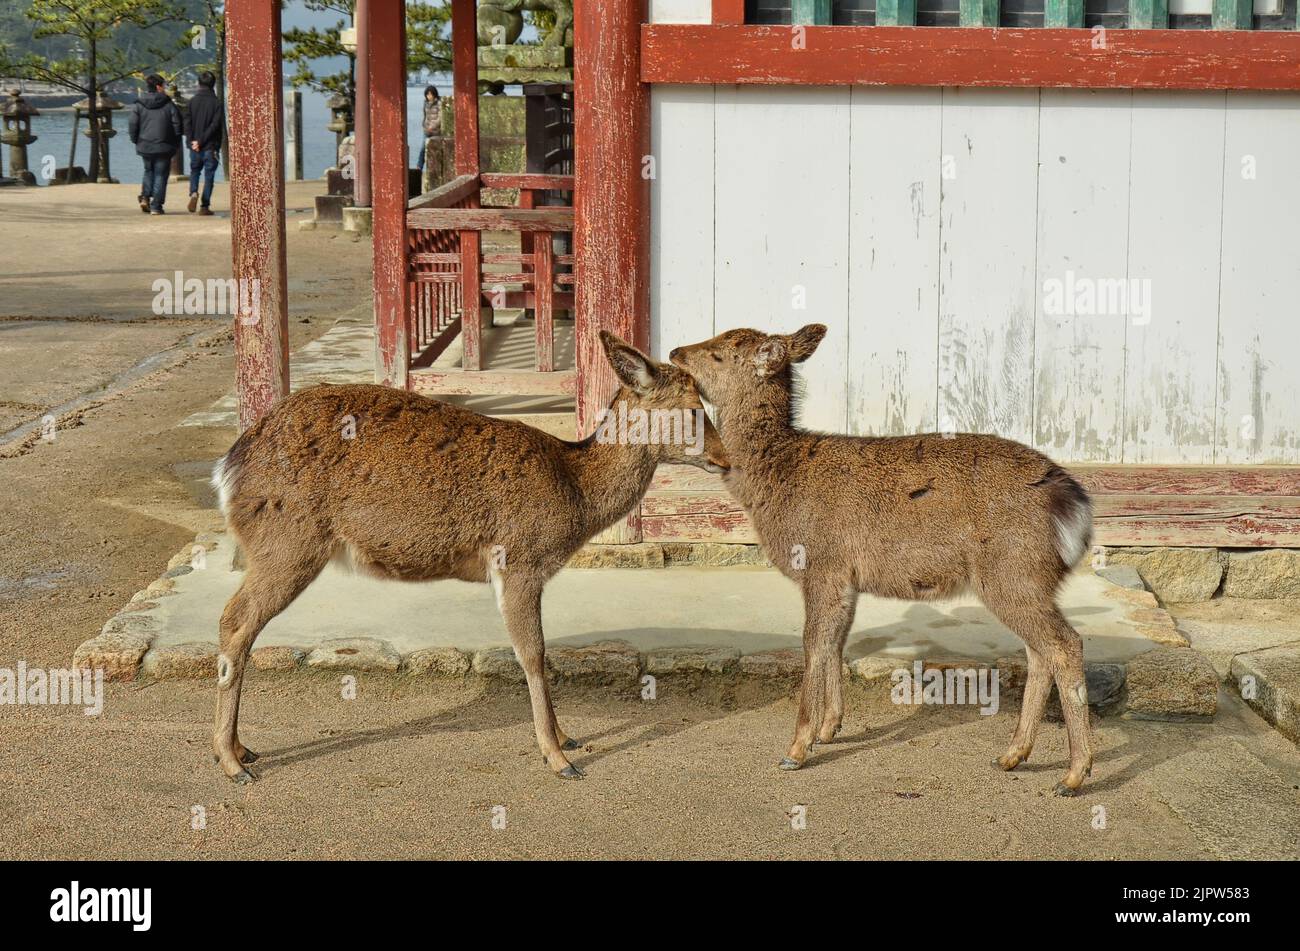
[{"x": 444, "y": 229}]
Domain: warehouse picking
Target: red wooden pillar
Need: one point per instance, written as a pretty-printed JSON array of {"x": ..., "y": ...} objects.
[
  {"x": 361, "y": 108},
  {"x": 387, "y": 74},
  {"x": 464, "y": 51},
  {"x": 256, "y": 124},
  {"x": 611, "y": 199}
]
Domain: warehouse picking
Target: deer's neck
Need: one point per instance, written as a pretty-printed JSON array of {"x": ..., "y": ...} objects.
[
  {"x": 757, "y": 426},
  {"x": 611, "y": 478}
]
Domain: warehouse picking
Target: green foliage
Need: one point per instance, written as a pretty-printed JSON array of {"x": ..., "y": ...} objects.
[
  {"x": 428, "y": 45},
  {"x": 87, "y": 45}
]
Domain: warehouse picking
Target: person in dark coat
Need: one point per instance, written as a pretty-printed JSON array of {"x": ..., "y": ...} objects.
[
  {"x": 205, "y": 125},
  {"x": 155, "y": 130}
]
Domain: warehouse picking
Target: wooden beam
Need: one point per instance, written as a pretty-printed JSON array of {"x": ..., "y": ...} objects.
[
  {"x": 493, "y": 382},
  {"x": 728, "y": 11},
  {"x": 810, "y": 12},
  {"x": 361, "y": 111},
  {"x": 464, "y": 52},
  {"x": 387, "y": 36},
  {"x": 895, "y": 12},
  {"x": 447, "y": 195},
  {"x": 612, "y": 198},
  {"x": 1232, "y": 14},
  {"x": 978, "y": 12},
  {"x": 1063, "y": 14},
  {"x": 1148, "y": 14},
  {"x": 561, "y": 183},
  {"x": 885, "y": 56},
  {"x": 253, "y": 91},
  {"x": 492, "y": 219}
]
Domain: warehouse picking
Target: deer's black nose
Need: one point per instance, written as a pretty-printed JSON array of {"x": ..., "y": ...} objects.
[{"x": 676, "y": 355}]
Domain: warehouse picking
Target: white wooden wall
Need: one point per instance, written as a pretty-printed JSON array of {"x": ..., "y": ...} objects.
[{"x": 921, "y": 225}]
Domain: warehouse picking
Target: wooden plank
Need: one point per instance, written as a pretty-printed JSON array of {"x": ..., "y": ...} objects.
[
  {"x": 884, "y": 56},
  {"x": 492, "y": 219},
  {"x": 1175, "y": 215},
  {"x": 389, "y": 181},
  {"x": 986, "y": 267},
  {"x": 1063, "y": 13},
  {"x": 1081, "y": 256},
  {"x": 447, "y": 195},
  {"x": 1258, "y": 396},
  {"x": 978, "y": 12},
  {"x": 1244, "y": 531},
  {"x": 681, "y": 217},
  {"x": 731, "y": 528},
  {"x": 1189, "y": 480},
  {"x": 494, "y": 382},
  {"x": 1148, "y": 14},
  {"x": 257, "y": 208},
  {"x": 895, "y": 13},
  {"x": 1210, "y": 506},
  {"x": 464, "y": 43},
  {"x": 689, "y": 503},
  {"x": 612, "y": 198},
  {"x": 561, "y": 183},
  {"x": 809, "y": 12},
  {"x": 471, "y": 315},
  {"x": 895, "y": 162},
  {"x": 781, "y": 256},
  {"x": 362, "y": 134},
  {"x": 544, "y": 317},
  {"x": 435, "y": 347},
  {"x": 1232, "y": 14}
]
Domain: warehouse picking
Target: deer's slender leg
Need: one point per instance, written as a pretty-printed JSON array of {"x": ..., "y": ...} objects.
[
  {"x": 1038, "y": 685},
  {"x": 833, "y": 718},
  {"x": 521, "y": 605},
  {"x": 1046, "y": 632},
  {"x": 827, "y": 611},
  {"x": 267, "y": 590}
]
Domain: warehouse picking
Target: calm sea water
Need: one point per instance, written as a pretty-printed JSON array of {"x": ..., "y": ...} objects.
[{"x": 53, "y": 130}]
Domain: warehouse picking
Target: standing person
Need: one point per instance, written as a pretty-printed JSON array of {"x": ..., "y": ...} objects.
[
  {"x": 156, "y": 132},
  {"x": 432, "y": 122},
  {"x": 205, "y": 125}
]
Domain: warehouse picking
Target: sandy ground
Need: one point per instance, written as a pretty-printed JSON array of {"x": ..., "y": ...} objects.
[{"x": 417, "y": 770}]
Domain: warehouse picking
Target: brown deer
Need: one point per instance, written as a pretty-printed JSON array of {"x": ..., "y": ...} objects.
[
  {"x": 405, "y": 487},
  {"x": 914, "y": 517}
]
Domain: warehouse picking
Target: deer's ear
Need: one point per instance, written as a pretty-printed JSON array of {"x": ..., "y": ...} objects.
[
  {"x": 771, "y": 357},
  {"x": 804, "y": 341},
  {"x": 632, "y": 367}
]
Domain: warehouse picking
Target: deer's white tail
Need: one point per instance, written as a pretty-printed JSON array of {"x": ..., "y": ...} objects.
[
  {"x": 1071, "y": 516},
  {"x": 224, "y": 474}
]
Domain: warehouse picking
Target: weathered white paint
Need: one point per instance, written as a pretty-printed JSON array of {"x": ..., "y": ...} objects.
[
  {"x": 781, "y": 250},
  {"x": 1259, "y": 297},
  {"x": 1175, "y": 214},
  {"x": 934, "y": 288},
  {"x": 892, "y": 380},
  {"x": 681, "y": 220},
  {"x": 1083, "y": 165},
  {"x": 986, "y": 272},
  {"x": 681, "y": 11}
]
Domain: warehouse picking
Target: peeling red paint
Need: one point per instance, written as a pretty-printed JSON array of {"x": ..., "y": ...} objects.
[
  {"x": 388, "y": 163},
  {"x": 256, "y": 127}
]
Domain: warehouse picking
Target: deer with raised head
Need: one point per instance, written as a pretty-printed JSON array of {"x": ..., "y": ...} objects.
[
  {"x": 405, "y": 487},
  {"x": 913, "y": 517}
]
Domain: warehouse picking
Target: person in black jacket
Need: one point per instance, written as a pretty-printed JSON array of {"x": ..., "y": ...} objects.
[
  {"x": 204, "y": 130},
  {"x": 156, "y": 132}
]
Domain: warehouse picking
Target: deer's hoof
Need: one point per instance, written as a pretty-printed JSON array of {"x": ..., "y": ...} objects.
[
  {"x": 1063, "y": 790},
  {"x": 244, "y": 777},
  {"x": 248, "y": 757},
  {"x": 570, "y": 744},
  {"x": 571, "y": 772},
  {"x": 1006, "y": 763},
  {"x": 788, "y": 763}
]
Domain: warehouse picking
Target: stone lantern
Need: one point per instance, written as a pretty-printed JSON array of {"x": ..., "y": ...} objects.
[
  {"x": 99, "y": 167},
  {"x": 17, "y": 135},
  {"x": 341, "y": 123},
  {"x": 178, "y": 157}
]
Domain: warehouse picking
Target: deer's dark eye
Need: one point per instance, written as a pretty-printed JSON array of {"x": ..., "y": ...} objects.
[{"x": 716, "y": 357}]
